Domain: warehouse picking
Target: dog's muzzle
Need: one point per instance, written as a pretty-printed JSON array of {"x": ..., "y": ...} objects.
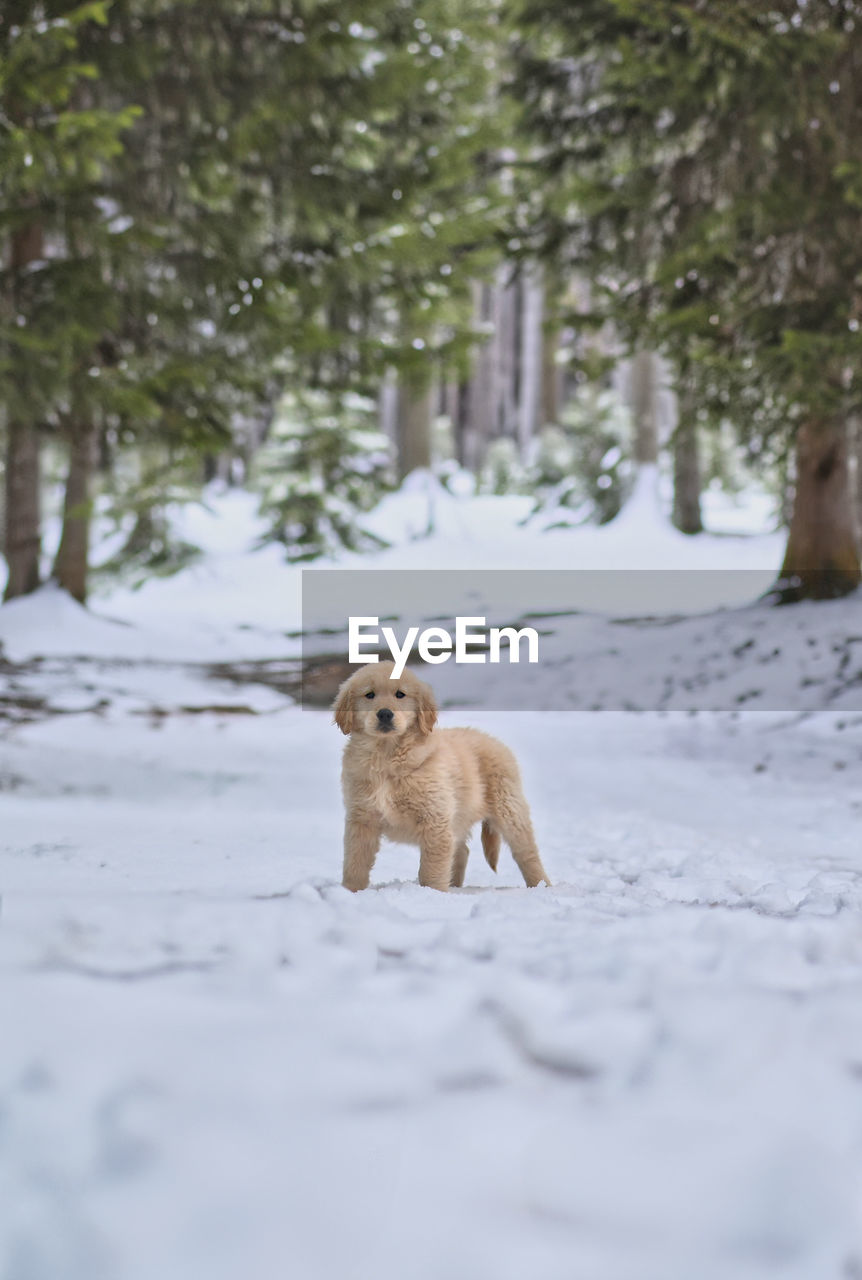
[{"x": 384, "y": 720}]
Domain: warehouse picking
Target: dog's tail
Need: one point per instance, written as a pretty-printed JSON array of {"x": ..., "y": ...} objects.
[{"x": 490, "y": 844}]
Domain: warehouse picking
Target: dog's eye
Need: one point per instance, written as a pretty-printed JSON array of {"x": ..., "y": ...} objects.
[
  {"x": 400, "y": 694},
  {"x": 369, "y": 695}
]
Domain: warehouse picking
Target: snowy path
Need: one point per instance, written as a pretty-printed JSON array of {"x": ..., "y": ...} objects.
[{"x": 216, "y": 1063}]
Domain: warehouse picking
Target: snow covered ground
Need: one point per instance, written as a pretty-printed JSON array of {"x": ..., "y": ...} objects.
[
  {"x": 217, "y": 1063},
  {"x": 243, "y": 600}
]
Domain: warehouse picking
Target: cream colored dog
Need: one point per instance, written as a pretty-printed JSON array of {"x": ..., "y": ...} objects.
[{"x": 404, "y": 779}]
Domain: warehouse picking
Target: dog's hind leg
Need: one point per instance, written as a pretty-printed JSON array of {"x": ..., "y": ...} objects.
[
  {"x": 513, "y": 819},
  {"x": 459, "y": 865},
  {"x": 520, "y": 839}
]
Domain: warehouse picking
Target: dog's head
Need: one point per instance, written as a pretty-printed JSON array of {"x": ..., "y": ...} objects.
[{"x": 371, "y": 702}]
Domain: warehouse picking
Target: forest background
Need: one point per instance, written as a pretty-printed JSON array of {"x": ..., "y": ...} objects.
[{"x": 531, "y": 246}]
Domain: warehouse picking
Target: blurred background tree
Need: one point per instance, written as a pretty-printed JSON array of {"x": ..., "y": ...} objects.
[
  {"x": 699, "y": 163},
  {"x": 208, "y": 203},
  {"x": 575, "y": 249}
]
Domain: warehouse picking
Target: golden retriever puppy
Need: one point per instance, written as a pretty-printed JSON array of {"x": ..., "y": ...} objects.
[{"x": 415, "y": 784}]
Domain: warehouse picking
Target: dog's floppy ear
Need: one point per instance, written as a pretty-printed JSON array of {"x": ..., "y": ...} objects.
[
  {"x": 342, "y": 708},
  {"x": 426, "y": 709}
]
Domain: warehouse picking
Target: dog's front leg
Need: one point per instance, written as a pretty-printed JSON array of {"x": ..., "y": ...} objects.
[
  {"x": 361, "y": 842},
  {"x": 436, "y": 853}
]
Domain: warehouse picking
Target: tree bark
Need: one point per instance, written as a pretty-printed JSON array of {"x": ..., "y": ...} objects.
[
  {"x": 855, "y": 438},
  {"x": 644, "y": 405},
  {"x": 530, "y": 381},
  {"x": 22, "y": 501},
  {"x": 450, "y": 407},
  {"x": 476, "y": 401},
  {"x": 387, "y": 408},
  {"x": 686, "y": 470},
  {"x": 22, "y": 509},
  {"x": 465, "y": 433},
  {"x": 415, "y": 413},
  {"x": 506, "y": 354},
  {"x": 71, "y": 564},
  {"x": 822, "y": 557},
  {"x": 552, "y": 376}
]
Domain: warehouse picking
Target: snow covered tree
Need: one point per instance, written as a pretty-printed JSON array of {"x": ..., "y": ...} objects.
[
  {"x": 584, "y": 464},
  {"x": 323, "y": 465}
]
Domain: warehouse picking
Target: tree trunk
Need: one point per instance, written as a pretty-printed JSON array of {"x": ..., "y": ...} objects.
[
  {"x": 686, "y": 470},
  {"x": 450, "y": 405},
  {"x": 22, "y": 489},
  {"x": 465, "y": 434},
  {"x": 643, "y": 396},
  {"x": 506, "y": 357},
  {"x": 552, "y": 376},
  {"x": 70, "y": 566},
  {"x": 387, "y": 408},
  {"x": 477, "y": 406},
  {"x": 855, "y": 436},
  {"x": 415, "y": 412},
  {"x": 530, "y": 381},
  {"x": 22, "y": 508},
  {"x": 822, "y": 557}
]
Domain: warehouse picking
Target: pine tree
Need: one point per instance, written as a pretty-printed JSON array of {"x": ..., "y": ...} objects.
[
  {"x": 323, "y": 465},
  {"x": 234, "y": 196},
  {"x": 56, "y": 147},
  {"x": 708, "y": 179}
]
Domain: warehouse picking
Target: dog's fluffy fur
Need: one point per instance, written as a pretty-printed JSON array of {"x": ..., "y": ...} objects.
[{"x": 415, "y": 784}]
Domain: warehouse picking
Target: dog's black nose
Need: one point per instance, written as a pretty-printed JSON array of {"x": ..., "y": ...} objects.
[{"x": 385, "y": 716}]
